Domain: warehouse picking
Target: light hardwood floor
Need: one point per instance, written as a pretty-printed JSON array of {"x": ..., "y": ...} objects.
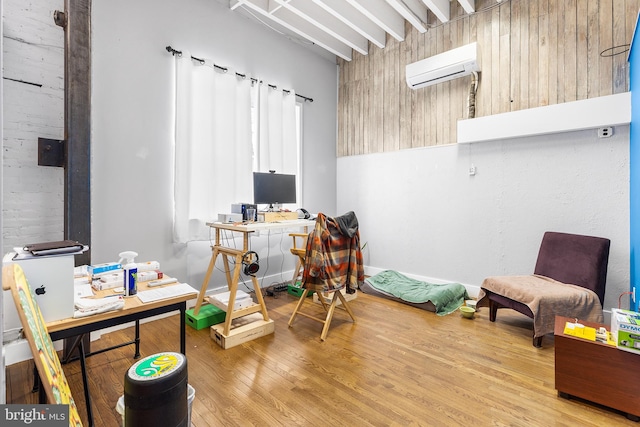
[{"x": 397, "y": 366}]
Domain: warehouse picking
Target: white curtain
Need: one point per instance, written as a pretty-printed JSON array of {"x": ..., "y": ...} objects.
[
  {"x": 213, "y": 146},
  {"x": 277, "y": 143},
  {"x": 215, "y": 153}
]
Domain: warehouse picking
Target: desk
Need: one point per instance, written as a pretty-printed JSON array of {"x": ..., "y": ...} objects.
[
  {"x": 232, "y": 281},
  {"x": 133, "y": 311},
  {"x": 595, "y": 371}
]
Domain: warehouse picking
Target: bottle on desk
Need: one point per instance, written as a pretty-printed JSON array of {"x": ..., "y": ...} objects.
[{"x": 130, "y": 268}]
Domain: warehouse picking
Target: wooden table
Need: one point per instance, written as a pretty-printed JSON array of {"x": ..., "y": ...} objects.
[
  {"x": 134, "y": 310},
  {"x": 239, "y": 256},
  {"x": 596, "y": 372}
]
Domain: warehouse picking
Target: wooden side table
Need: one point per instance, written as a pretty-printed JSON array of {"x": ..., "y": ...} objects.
[{"x": 596, "y": 372}]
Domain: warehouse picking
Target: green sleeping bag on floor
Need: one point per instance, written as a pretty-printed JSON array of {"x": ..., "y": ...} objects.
[{"x": 446, "y": 297}]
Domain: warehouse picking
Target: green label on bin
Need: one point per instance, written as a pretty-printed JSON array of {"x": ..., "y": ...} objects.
[{"x": 156, "y": 366}]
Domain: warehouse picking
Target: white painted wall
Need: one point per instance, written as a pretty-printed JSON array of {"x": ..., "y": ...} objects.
[
  {"x": 422, "y": 214},
  {"x": 132, "y": 123},
  {"x": 33, "y": 199},
  {"x": 32, "y": 107}
]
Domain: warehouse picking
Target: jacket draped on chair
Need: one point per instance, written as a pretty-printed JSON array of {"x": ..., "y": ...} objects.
[{"x": 333, "y": 257}]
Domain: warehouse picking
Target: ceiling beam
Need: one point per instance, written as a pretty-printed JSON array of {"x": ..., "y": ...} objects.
[
  {"x": 325, "y": 21},
  {"x": 273, "y": 6},
  {"x": 346, "y": 13},
  {"x": 382, "y": 14},
  {"x": 468, "y": 5},
  {"x": 440, "y": 8},
  {"x": 297, "y": 25},
  {"x": 413, "y": 11}
]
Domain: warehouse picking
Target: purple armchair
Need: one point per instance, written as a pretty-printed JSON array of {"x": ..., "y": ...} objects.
[{"x": 569, "y": 280}]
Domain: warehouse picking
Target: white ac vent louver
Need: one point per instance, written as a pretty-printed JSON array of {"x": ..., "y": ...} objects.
[{"x": 445, "y": 66}]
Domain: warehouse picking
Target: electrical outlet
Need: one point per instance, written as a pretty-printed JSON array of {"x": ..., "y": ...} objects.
[
  {"x": 472, "y": 170},
  {"x": 605, "y": 132}
]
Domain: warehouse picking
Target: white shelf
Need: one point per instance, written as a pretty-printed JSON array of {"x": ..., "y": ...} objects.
[{"x": 604, "y": 111}]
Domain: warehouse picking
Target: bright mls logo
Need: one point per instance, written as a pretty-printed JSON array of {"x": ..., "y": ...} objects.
[{"x": 34, "y": 415}]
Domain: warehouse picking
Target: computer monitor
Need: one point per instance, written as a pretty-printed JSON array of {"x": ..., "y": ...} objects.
[{"x": 273, "y": 188}]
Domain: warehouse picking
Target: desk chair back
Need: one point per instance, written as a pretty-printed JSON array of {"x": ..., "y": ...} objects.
[{"x": 46, "y": 359}]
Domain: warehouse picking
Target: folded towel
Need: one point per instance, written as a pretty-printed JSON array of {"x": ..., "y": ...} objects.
[{"x": 89, "y": 306}]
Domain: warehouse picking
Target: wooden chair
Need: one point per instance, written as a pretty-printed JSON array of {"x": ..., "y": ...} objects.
[
  {"x": 52, "y": 377},
  {"x": 298, "y": 250},
  {"x": 569, "y": 280},
  {"x": 322, "y": 272}
]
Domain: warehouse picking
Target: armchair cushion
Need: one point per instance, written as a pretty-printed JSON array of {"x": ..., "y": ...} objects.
[{"x": 545, "y": 298}]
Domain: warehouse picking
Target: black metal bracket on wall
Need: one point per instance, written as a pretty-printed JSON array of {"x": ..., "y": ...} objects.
[{"x": 51, "y": 152}]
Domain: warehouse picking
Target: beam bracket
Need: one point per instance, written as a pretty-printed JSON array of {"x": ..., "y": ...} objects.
[
  {"x": 60, "y": 19},
  {"x": 51, "y": 152}
]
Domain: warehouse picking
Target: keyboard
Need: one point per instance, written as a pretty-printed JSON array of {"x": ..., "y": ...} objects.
[{"x": 164, "y": 292}]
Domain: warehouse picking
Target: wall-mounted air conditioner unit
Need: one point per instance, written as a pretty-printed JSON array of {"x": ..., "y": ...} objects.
[{"x": 449, "y": 65}]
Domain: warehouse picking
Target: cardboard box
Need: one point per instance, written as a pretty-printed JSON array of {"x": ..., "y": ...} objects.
[
  {"x": 96, "y": 269},
  {"x": 229, "y": 217},
  {"x": 329, "y": 297},
  {"x": 277, "y": 216},
  {"x": 625, "y": 329},
  {"x": 221, "y": 301},
  {"x": 207, "y": 316},
  {"x": 108, "y": 281},
  {"x": 243, "y": 329}
]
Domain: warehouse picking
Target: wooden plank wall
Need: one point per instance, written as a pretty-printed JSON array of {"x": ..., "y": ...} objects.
[{"x": 533, "y": 53}]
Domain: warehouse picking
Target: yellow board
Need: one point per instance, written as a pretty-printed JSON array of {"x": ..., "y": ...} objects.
[
  {"x": 584, "y": 332},
  {"x": 44, "y": 354}
]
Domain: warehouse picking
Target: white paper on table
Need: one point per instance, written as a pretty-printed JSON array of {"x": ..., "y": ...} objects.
[{"x": 82, "y": 290}]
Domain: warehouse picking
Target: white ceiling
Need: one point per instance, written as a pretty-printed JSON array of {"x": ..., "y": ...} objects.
[{"x": 340, "y": 27}]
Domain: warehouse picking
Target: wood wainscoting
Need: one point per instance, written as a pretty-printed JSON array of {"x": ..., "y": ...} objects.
[{"x": 533, "y": 53}]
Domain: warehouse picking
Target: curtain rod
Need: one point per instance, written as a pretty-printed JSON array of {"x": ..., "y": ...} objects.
[{"x": 174, "y": 52}]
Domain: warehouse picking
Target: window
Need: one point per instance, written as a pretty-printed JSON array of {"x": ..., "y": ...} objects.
[{"x": 226, "y": 128}]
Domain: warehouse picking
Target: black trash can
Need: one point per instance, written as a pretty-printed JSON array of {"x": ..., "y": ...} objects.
[{"x": 155, "y": 392}]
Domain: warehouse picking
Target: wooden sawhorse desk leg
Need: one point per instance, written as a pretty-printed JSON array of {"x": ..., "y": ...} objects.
[
  {"x": 258, "y": 291},
  {"x": 205, "y": 282},
  {"x": 232, "y": 282}
]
